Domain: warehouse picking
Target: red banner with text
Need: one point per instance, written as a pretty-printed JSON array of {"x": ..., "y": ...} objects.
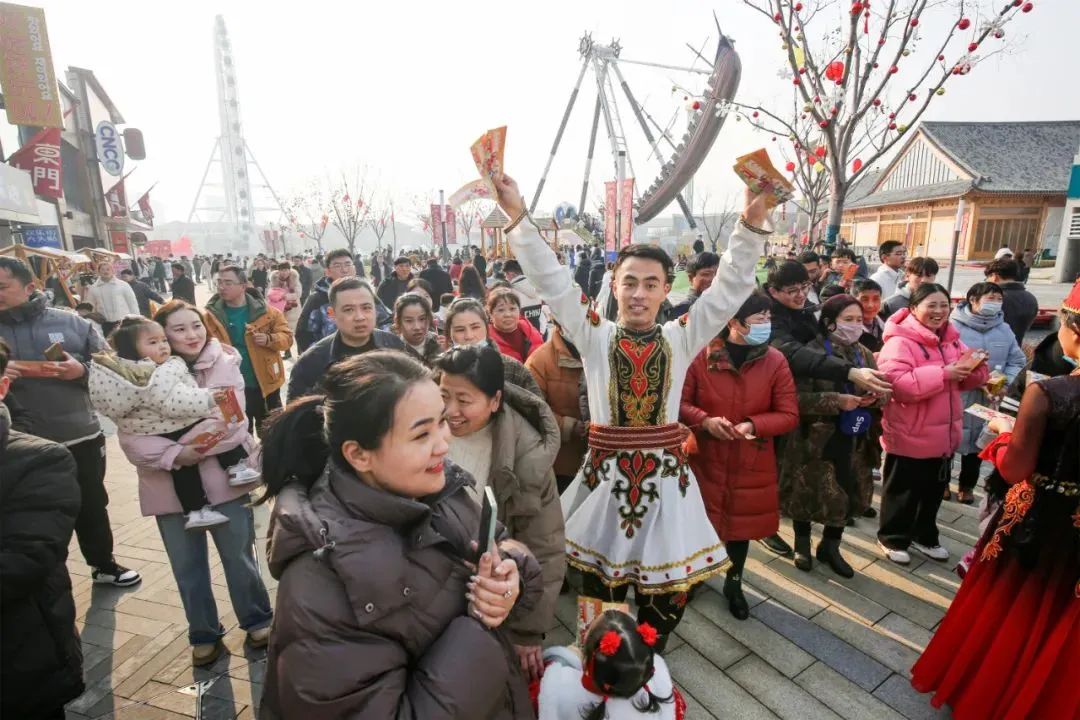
[
  {"x": 611, "y": 201},
  {"x": 41, "y": 158}
]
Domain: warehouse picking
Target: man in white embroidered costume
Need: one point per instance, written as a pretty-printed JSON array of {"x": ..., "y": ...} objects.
[{"x": 634, "y": 514}]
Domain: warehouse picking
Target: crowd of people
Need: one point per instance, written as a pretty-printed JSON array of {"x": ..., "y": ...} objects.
[{"x": 380, "y": 403}]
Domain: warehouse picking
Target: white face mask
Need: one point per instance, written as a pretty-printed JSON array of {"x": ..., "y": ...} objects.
[
  {"x": 990, "y": 308},
  {"x": 848, "y": 333}
]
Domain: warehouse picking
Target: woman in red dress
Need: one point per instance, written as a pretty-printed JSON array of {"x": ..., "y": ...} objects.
[{"x": 1009, "y": 646}]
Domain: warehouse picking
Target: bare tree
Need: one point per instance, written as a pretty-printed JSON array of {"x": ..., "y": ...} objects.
[
  {"x": 863, "y": 81},
  {"x": 379, "y": 219},
  {"x": 715, "y": 217},
  {"x": 350, "y": 207},
  {"x": 308, "y": 214},
  {"x": 470, "y": 215}
]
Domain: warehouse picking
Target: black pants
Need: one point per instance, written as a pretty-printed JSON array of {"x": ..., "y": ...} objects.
[
  {"x": 969, "y": 471},
  {"x": 829, "y": 532},
  {"x": 92, "y": 525},
  {"x": 187, "y": 480},
  {"x": 258, "y": 407},
  {"x": 912, "y": 491},
  {"x": 737, "y": 550},
  {"x": 663, "y": 612}
]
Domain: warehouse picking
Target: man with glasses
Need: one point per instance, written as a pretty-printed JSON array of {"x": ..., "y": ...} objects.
[
  {"x": 893, "y": 255},
  {"x": 794, "y": 326},
  {"x": 259, "y": 333},
  {"x": 315, "y": 322},
  {"x": 815, "y": 272}
]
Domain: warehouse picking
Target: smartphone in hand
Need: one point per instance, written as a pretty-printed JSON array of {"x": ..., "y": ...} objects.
[
  {"x": 485, "y": 535},
  {"x": 55, "y": 352}
]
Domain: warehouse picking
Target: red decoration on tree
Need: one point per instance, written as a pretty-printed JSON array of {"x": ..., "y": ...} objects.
[
  {"x": 610, "y": 642},
  {"x": 892, "y": 116},
  {"x": 893, "y": 70},
  {"x": 892, "y": 126},
  {"x": 820, "y": 151},
  {"x": 696, "y": 105},
  {"x": 648, "y": 634},
  {"x": 790, "y": 167},
  {"x": 856, "y": 166},
  {"x": 914, "y": 22},
  {"x": 755, "y": 114},
  {"x": 802, "y": 71},
  {"x": 835, "y": 71},
  {"x": 973, "y": 47},
  {"x": 1028, "y": 7},
  {"x": 777, "y": 17},
  {"x": 941, "y": 58},
  {"x": 856, "y": 8},
  {"x": 796, "y": 81},
  {"x": 964, "y": 24},
  {"x": 823, "y": 124},
  {"x": 877, "y": 102},
  {"x": 1018, "y": 3},
  {"x": 912, "y": 97},
  {"x": 798, "y": 7}
]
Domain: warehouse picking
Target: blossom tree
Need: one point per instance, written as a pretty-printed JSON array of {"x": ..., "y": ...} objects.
[
  {"x": 308, "y": 215},
  {"x": 350, "y": 206},
  {"x": 864, "y": 72}
]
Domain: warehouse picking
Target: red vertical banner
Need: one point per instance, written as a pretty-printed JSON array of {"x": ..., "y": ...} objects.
[
  {"x": 626, "y": 226},
  {"x": 119, "y": 240},
  {"x": 451, "y": 225},
  {"x": 41, "y": 158},
  {"x": 436, "y": 225},
  {"x": 611, "y": 200}
]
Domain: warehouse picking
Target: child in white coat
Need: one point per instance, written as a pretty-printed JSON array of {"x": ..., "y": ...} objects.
[
  {"x": 146, "y": 390},
  {"x": 617, "y": 675}
]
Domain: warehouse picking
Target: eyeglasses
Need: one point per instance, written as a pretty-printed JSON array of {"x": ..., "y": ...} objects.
[
  {"x": 227, "y": 283},
  {"x": 342, "y": 265},
  {"x": 797, "y": 289}
]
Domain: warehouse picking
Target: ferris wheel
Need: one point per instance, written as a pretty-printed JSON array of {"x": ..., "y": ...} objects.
[{"x": 705, "y": 98}]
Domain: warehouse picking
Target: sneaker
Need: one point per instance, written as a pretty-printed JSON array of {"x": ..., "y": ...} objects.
[
  {"x": 875, "y": 474},
  {"x": 204, "y": 518},
  {"x": 900, "y": 557},
  {"x": 934, "y": 552},
  {"x": 259, "y": 638},
  {"x": 206, "y": 654},
  {"x": 776, "y": 544},
  {"x": 243, "y": 475},
  {"x": 118, "y": 575},
  {"x": 869, "y": 512}
]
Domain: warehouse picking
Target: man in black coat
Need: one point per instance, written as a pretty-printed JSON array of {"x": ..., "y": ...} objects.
[
  {"x": 1019, "y": 305},
  {"x": 397, "y": 283},
  {"x": 306, "y": 279},
  {"x": 183, "y": 287},
  {"x": 41, "y": 656},
  {"x": 143, "y": 292},
  {"x": 581, "y": 274},
  {"x": 439, "y": 279},
  {"x": 596, "y": 273}
]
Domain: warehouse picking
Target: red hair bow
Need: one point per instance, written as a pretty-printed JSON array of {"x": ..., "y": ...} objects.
[
  {"x": 610, "y": 642},
  {"x": 648, "y": 634}
]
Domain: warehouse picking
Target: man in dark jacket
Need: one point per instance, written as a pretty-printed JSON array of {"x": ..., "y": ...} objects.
[
  {"x": 57, "y": 403},
  {"x": 396, "y": 284},
  {"x": 41, "y": 656},
  {"x": 480, "y": 263},
  {"x": 143, "y": 292},
  {"x": 596, "y": 273},
  {"x": 311, "y": 326},
  {"x": 581, "y": 274},
  {"x": 701, "y": 269},
  {"x": 1020, "y": 306},
  {"x": 352, "y": 305},
  {"x": 183, "y": 287},
  {"x": 439, "y": 279},
  {"x": 305, "y": 277},
  {"x": 158, "y": 275}
]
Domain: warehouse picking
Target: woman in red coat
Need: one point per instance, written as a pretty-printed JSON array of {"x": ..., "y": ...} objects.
[
  {"x": 513, "y": 335},
  {"x": 739, "y": 395}
]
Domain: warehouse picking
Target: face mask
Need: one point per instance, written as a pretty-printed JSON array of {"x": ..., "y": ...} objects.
[
  {"x": 1072, "y": 361},
  {"x": 989, "y": 308},
  {"x": 758, "y": 334},
  {"x": 848, "y": 333}
]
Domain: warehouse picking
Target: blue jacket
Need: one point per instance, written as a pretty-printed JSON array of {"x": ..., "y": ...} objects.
[{"x": 995, "y": 337}]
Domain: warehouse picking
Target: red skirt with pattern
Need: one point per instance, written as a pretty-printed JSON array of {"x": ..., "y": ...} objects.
[{"x": 1009, "y": 646}]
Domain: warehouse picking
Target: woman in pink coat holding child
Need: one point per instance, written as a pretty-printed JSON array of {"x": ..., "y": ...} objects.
[{"x": 928, "y": 367}]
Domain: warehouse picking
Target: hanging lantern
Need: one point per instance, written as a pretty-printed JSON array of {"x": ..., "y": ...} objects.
[
  {"x": 893, "y": 70},
  {"x": 755, "y": 113},
  {"x": 941, "y": 58},
  {"x": 973, "y": 47},
  {"x": 912, "y": 97},
  {"x": 790, "y": 167},
  {"x": 856, "y": 8},
  {"x": 964, "y": 24},
  {"x": 777, "y": 17},
  {"x": 798, "y": 7},
  {"x": 820, "y": 151},
  {"x": 1028, "y": 7},
  {"x": 877, "y": 102},
  {"x": 834, "y": 71},
  {"x": 914, "y": 22},
  {"x": 892, "y": 126},
  {"x": 856, "y": 166},
  {"x": 823, "y": 124}
]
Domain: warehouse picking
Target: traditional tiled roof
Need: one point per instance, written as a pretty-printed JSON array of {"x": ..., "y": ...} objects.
[{"x": 1002, "y": 157}]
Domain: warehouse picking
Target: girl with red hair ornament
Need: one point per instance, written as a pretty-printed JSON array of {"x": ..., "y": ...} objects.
[{"x": 617, "y": 675}]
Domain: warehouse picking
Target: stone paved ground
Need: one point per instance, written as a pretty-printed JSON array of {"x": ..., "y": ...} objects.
[{"x": 815, "y": 646}]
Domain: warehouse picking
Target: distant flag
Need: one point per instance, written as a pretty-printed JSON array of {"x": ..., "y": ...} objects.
[{"x": 145, "y": 210}]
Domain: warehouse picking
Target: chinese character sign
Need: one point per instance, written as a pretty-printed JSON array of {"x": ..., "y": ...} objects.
[
  {"x": 626, "y": 210},
  {"x": 610, "y": 203},
  {"x": 27, "y": 77},
  {"x": 38, "y": 236},
  {"x": 41, "y": 158}
]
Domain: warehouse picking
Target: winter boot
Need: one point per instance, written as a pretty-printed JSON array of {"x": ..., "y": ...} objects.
[
  {"x": 736, "y": 600},
  {"x": 803, "y": 561},
  {"x": 828, "y": 552}
]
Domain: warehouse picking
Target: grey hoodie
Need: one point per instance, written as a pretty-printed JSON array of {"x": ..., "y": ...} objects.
[{"x": 57, "y": 410}]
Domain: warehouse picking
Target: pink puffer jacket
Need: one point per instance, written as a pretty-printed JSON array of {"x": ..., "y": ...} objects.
[
  {"x": 153, "y": 456},
  {"x": 925, "y": 417}
]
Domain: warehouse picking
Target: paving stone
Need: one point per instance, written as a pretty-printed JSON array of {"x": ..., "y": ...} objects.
[
  {"x": 904, "y": 631},
  {"x": 790, "y": 594},
  {"x": 894, "y": 655},
  {"x": 704, "y": 636},
  {"x": 237, "y": 691},
  {"x": 154, "y": 611},
  {"x": 104, "y": 637},
  {"x": 141, "y": 553},
  {"x": 716, "y": 692},
  {"x": 842, "y": 696},
  {"x": 835, "y": 591},
  {"x": 171, "y": 698},
  {"x": 119, "y": 655},
  {"x": 149, "y": 666},
  {"x": 128, "y": 623},
  {"x": 837, "y": 654},
  {"x": 558, "y": 636},
  {"x": 899, "y": 695},
  {"x": 694, "y": 709},
  {"x": 941, "y": 575},
  {"x": 777, "y": 650},
  {"x": 777, "y": 692},
  {"x": 916, "y": 599}
]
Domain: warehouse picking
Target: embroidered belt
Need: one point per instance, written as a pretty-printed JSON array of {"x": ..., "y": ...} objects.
[{"x": 612, "y": 438}]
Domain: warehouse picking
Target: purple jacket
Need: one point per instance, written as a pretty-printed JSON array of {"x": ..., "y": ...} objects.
[{"x": 153, "y": 456}]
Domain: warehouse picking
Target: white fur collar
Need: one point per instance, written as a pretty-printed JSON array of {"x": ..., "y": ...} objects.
[{"x": 562, "y": 695}]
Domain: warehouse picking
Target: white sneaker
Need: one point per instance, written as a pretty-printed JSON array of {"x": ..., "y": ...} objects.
[
  {"x": 935, "y": 552},
  {"x": 900, "y": 557},
  {"x": 241, "y": 474},
  {"x": 204, "y": 518}
]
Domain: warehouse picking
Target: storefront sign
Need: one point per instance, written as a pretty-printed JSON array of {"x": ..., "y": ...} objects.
[
  {"x": 41, "y": 158},
  {"x": 17, "y": 201},
  {"x": 27, "y": 77},
  {"x": 42, "y": 236},
  {"x": 109, "y": 151}
]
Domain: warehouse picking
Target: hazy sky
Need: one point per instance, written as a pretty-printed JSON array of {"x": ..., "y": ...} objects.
[{"x": 404, "y": 87}]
